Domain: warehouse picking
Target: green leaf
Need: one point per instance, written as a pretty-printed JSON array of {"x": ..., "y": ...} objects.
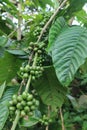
[
  {"x": 3, "y": 26},
  {"x": 81, "y": 16},
  {"x": 42, "y": 3},
  {"x": 73, "y": 5},
  {"x": 4, "y": 103},
  {"x": 30, "y": 122},
  {"x": 1, "y": 52},
  {"x": 69, "y": 53},
  {"x": 49, "y": 89},
  {"x": 55, "y": 126},
  {"x": 2, "y": 88},
  {"x": 55, "y": 31},
  {"x": 4, "y": 112},
  {"x": 10, "y": 4},
  {"x": 9, "y": 66},
  {"x": 83, "y": 101},
  {"x": 73, "y": 101},
  {"x": 3, "y": 40},
  {"x": 8, "y": 94},
  {"x": 84, "y": 126},
  {"x": 16, "y": 52}
]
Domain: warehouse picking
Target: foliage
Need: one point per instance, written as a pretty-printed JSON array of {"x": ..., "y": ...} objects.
[{"x": 43, "y": 73}]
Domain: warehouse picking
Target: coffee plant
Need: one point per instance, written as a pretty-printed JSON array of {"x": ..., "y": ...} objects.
[{"x": 43, "y": 65}]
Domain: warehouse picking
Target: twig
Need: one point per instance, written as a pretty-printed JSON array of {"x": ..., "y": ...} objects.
[
  {"x": 19, "y": 22},
  {"x": 11, "y": 34},
  {"x": 50, "y": 20},
  {"x": 47, "y": 127},
  {"x": 21, "y": 85},
  {"x": 16, "y": 121},
  {"x": 71, "y": 21},
  {"x": 62, "y": 120},
  {"x": 29, "y": 80},
  {"x": 30, "y": 57},
  {"x": 49, "y": 109}
]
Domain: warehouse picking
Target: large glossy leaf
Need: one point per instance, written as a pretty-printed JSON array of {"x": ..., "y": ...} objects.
[
  {"x": 81, "y": 17},
  {"x": 3, "y": 26},
  {"x": 4, "y": 112},
  {"x": 30, "y": 122},
  {"x": 1, "y": 51},
  {"x": 75, "y": 6},
  {"x": 2, "y": 88},
  {"x": 10, "y": 4},
  {"x": 8, "y": 94},
  {"x": 69, "y": 53},
  {"x": 17, "y": 52},
  {"x": 9, "y": 66},
  {"x": 3, "y": 40},
  {"x": 55, "y": 30},
  {"x": 50, "y": 90},
  {"x": 43, "y": 4},
  {"x": 4, "y": 102}
]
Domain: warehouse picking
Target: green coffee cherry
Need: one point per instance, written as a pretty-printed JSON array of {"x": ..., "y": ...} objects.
[
  {"x": 31, "y": 44},
  {"x": 23, "y": 103},
  {"x": 12, "y": 108},
  {"x": 23, "y": 113},
  {"x": 24, "y": 95},
  {"x": 37, "y": 103},
  {"x": 33, "y": 78},
  {"x": 30, "y": 113},
  {"x": 19, "y": 98},
  {"x": 17, "y": 111},
  {"x": 35, "y": 49},
  {"x": 26, "y": 109},
  {"x": 33, "y": 107},
  {"x": 30, "y": 97},
  {"x": 32, "y": 72},
  {"x": 30, "y": 48},
  {"x": 38, "y": 67},
  {"x": 25, "y": 75},
  {"x": 30, "y": 103},
  {"x": 11, "y": 112},
  {"x": 21, "y": 69},
  {"x": 50, "y": 120},
  {"x": 11, "y": 102},
  {"x": 19, "y": 106},
  {"x": 39, "y": 51},
  {"x": 27, "y": 68},
  {"x": 46, "y": 123},
  {"x": 14, "y": 97},
  {"x": 14, "y": 101}
]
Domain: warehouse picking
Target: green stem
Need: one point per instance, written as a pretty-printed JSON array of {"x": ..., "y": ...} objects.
[
  {"x": 35, "y": 59},
  {"x": 47, "y": 127},
  {"x": 16, "y": 121},
  {"x": 30, "y": 77},
  {"x": 28, "y": 83}
]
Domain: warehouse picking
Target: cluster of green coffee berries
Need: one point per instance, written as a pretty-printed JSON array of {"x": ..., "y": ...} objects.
[
  {"x": 34, "y": 71},
  {"x": 45, "y": 120},
  {"x": 38, "y": 28},
  {"x": 24, "y": 103},
  {"x": 39, "y": 48}
]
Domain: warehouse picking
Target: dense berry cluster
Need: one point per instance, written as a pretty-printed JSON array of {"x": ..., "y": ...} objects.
[
  {"x": 34, "y": 71},
  {"x": 38, "y": 28},
  {"x": 45, "y": 120},
  {"x": 24, "y": 103},
  {"x": 39, "y": 48}
]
